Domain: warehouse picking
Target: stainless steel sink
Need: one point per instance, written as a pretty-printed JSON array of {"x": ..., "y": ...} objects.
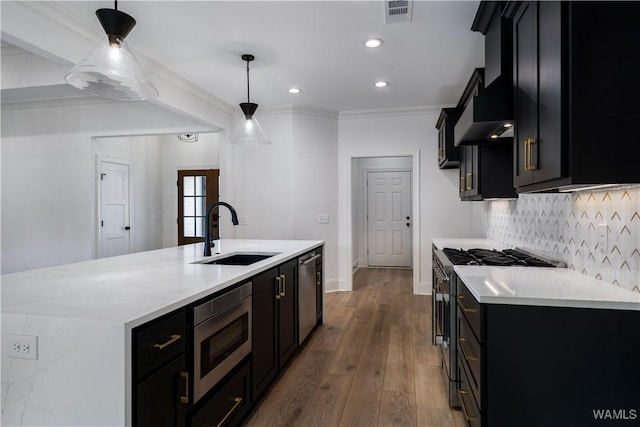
[{"x": 238, "y": 258}]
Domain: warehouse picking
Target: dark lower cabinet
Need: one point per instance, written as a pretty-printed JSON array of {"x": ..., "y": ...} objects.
[
  {"x": 159, "y": 362},
  {"x": 158, "y": 397},
  {"x": 274, "y": 323},
  {"x": 230, "y": 403},
  {"x": 532, "y": 366}
]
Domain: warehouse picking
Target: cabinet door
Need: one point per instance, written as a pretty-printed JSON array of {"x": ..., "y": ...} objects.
[
  {"x": 469, "y": 171},
  {"x": 264, "y": 356},
  {"x": 525, "y": 81},
  {"x": 287, "y": 319},
  {"x": 158, "y": 397}
]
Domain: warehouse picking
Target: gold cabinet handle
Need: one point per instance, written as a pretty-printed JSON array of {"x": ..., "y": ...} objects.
[
  {"x": 461, "y": 183},
  {"x": 184, "y": 395},
  {"x": 464, "y": 307},
  {"x": 284, "y": 285},
  {"x": 173, "y": 339},
  {"x": 528, "y": 155},
  {"x": 440, "y": 154},
  {"x": 318, "y": 278},
  {"x": 461, "y": 393},
  {"x": 464, "y": 352},
  {"x": 279, "y": 290},
  {"x": 469, "y": 181},
  {"x": 238, "y": 401}
]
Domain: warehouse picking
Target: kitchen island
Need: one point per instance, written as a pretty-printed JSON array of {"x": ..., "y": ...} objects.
[{"x": 83, "y": 315}]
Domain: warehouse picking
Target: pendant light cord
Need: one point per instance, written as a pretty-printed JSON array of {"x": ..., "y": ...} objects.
[
  {"x": 248, "y": 82},
  {"x": 116, "y": 4}
]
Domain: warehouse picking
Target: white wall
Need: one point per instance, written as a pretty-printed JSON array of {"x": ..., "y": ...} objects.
[
  {"x": 403, "y": 133},
  {"x": 279, "y": 189},
  {"x": 49, "y": 176}
]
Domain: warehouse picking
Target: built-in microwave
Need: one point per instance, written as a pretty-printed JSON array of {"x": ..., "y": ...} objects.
[{"x": 221, "y": 337}]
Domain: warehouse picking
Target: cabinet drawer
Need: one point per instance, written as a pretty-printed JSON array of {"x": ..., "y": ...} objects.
[
  {"x": 158, "y": 397},
  {"x": 229, "y": 405},
  {"x": 469, "y": 354},
  {"x": 468, "y": 403},
  {"x": 160, "y": 342},
  {"x": 469, "y": 306}
]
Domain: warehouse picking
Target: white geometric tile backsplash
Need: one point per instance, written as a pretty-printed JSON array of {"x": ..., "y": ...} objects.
[{"x": 566, "y": 227}]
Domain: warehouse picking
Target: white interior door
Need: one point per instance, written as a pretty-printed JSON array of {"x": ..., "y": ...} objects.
[
  {"x": 115, "y": 215},
  {"x": 389, "y": 219}
]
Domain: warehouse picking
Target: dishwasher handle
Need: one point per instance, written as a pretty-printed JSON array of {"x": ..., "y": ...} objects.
[{"x": 308, "y": 260}]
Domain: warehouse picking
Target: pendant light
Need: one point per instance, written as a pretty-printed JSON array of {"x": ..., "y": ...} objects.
[
  {"x": 248, "y": 131},
  {"x": 110, "y": 69}
]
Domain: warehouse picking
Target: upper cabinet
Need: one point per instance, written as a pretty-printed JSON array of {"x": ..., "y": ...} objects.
[
  {"x": 448, "y": 156},
  {"x": 575, "y": 73}
]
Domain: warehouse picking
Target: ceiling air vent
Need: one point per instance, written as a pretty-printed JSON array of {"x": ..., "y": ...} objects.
[{"x": 397, "y": 11}]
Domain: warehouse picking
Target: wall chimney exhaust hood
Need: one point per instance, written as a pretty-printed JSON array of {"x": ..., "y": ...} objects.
[{"x": 487, "y": 101}]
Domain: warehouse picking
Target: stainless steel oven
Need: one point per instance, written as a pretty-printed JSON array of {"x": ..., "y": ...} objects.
[
  {"x": 443, "y": 325},
  {"x": 221, "y": 337}
]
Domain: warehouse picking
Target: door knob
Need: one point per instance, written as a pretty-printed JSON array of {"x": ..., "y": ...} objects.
[
  {"x": 408, "y": 225},
  {"x": 408, "y": 218},
  {"x": 127, "y": 228}
]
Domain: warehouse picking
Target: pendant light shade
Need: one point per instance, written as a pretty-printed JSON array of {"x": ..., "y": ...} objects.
[
  {"x": 248, "y": 131},
  {"x": 110, "y": 69}
]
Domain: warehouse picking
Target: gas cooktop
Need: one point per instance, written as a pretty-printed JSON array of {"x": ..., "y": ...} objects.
[{"x": 507, "y": 257}]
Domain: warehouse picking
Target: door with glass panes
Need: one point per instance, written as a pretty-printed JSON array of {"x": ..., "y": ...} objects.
[{"x": 197, "y": 189}]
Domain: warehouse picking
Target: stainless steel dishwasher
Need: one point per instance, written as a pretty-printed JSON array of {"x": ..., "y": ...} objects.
[{"x": 307, "y": 293}]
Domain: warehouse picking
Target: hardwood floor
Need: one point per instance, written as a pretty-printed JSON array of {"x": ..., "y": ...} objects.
[{"x": 370, "y": 364}]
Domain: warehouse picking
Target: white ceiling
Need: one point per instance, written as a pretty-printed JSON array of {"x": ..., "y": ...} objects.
[{"x": 313, "y": 45}]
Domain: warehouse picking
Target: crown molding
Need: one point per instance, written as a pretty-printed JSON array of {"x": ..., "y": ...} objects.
[
  {"x": 297, "y": 110},
  {"x": 391, "y": 112}
]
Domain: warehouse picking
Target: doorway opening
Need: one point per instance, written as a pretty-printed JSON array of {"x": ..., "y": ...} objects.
[
  {"x": 382, "y": 212},
  {"x": 197, "y": 190}
]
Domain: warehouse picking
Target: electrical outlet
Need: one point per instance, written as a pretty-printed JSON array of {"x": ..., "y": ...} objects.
[
  {"x": 603, "y": 238},
  {"x": 22, "y": 346},
  {"x": 323, "y": 218}
]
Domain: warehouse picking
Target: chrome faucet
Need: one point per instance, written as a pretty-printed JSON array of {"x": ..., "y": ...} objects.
[{"x": 207, "y": 233}]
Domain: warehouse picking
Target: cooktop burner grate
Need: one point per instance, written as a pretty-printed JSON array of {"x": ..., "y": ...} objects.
[{"x": 507, "y": 257}]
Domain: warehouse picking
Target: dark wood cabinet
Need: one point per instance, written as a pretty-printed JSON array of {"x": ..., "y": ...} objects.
[
  {"x": 287, "y": 312},
  {"x": 160, "y": 367},
  {"x": 485, "y": 169},
  {"x": 485, "y": 172},
  {"x": 229, "y": 404},
  {"x": 574, "y": 78},
  {"x": 319, "y": 290},
  {"x": 448, "y": 153},
  {"x": 530, "y": 366},
  {"x": 274, "y": 323}
]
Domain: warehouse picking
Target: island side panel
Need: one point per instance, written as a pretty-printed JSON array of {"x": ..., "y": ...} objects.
[{"x": 78, "y": 378}]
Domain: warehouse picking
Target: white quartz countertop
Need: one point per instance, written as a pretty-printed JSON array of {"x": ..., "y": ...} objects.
[
  {"x": 558, "y": 287},
  {"x": 133, "y": 289},
  {"x": 461, "y": 243}
]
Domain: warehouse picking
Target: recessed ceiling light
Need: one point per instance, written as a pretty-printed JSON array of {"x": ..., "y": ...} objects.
[
  {"x": 382, "y": 84},
  {"x": 294, "y": 90},
  {"x": 373, "y": 43}
]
